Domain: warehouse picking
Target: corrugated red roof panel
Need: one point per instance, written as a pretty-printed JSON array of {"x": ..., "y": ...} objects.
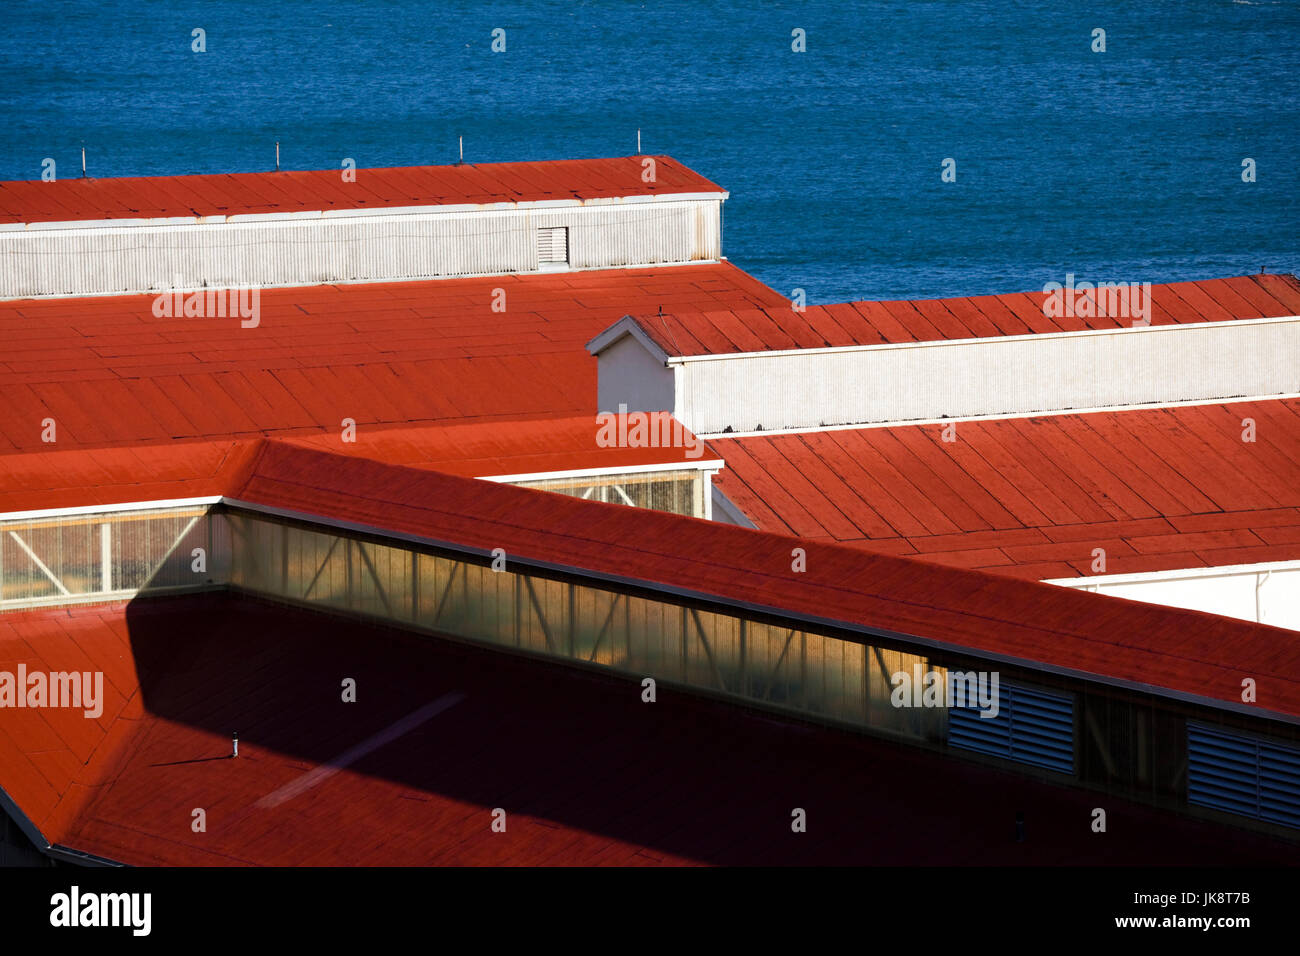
[
  {"x": 1183, "y": 651},
  {"x": 381, "y": 354},
  {"x": 565, "y": 755},
  {"x": 1159, "y": 489},
  {"x": 1040, "y": 624},
  {"x": 165, "y": 728},
  {"x": 152, "y": 197},
  {"x": 929, "y": 320},
  {"x": 109, "y": 476},
  {"x": 196, "y": 469}
]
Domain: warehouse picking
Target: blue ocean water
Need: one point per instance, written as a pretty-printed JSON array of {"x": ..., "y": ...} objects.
[{"x": 1122, "y": 165}]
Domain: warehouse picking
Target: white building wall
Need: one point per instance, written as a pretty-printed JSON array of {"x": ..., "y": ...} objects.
[
  {"x": 305, "y": 249},
  {"x": 631, "y": 376},
  {"x": 1011, "y": 375},
  {"x": 1265, "y": 593}
]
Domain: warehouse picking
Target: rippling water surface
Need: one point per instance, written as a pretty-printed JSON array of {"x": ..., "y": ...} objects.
[{"x": 1122, "y": 165}]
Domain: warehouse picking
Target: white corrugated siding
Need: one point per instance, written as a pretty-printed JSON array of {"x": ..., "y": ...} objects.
[
  {"x": 146, "y": 258},
  {"x": 990, "y": 376}
]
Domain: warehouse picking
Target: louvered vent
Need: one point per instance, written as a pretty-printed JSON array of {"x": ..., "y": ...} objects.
[
  {"x": 553, "y": 245},
  {"x": 1245, "y": 775},
  {"x": 1031, "y": 727}
]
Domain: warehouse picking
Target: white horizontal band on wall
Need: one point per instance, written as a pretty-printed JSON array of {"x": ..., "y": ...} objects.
[
  {"x": 288, "y": 250},
  {"x": 1249, "y": 358},
  {"x": 161, "y": 504},
  {"x": 711, "y": 464}
]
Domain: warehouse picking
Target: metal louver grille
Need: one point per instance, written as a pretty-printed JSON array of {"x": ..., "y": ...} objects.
[
  {"x": 553, "y": 244},
  {"x": 1031, "y": 727},
  {"x": 1244, "y": 775}
]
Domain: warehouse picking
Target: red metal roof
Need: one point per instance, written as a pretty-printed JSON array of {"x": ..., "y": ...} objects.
[
  {"x": 111, "y": 373},
  {"x": 194, "y": 469},
  {"x": 999, "y": 615},
  {"x": 1158, "y": 489},
  {"x": 109, "y": 476},
  {"x": 564, "y": 752},
  {"x": 508, "y": 448},
  {"x": 1184, "y": 651},
  {"x": 230, "y": 194},
  {"x": 723, "y": 331}
]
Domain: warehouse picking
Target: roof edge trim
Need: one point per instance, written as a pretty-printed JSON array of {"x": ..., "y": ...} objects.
[
  {"x": 1002, "y": 416},
  {"x": 109, "y": 508},
  {"x": 985, "y": 340},
  {"x": 372, "y": 212},
  {"x": 713, "y": 463},
  {"x": 622, "y": 328}
]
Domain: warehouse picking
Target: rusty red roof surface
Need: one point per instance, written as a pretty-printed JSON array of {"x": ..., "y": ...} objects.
[
  {"x": 111, "y": 373},
  {"x": 1185, "y": 652},
  {"x": 1158, "y": 489},
  {"x": 196, "y": 469},
  {"x": 564, "y": 752},
  {"x": 724, "y": 331},
  {"x": 231, "y": 194}
]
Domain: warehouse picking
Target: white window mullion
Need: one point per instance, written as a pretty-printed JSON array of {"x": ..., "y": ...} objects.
[{"x": 105, "y": 557}]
